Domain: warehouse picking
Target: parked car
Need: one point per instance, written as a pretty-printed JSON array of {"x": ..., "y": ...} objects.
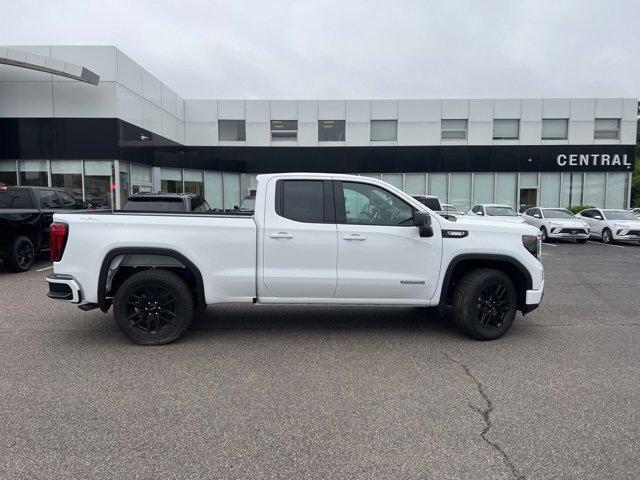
[
  {"x": 307, "y": 243},
  {"x": 25, "y": 216},
  {"x": 166, "y": 202},
  {"x": 495, "y": 211},
  {"x": 635, "y": 211},
  {"x": 557, "y": 223},
  {"x": 429, "y": 201},
  {"x": 611, "y": 225}
]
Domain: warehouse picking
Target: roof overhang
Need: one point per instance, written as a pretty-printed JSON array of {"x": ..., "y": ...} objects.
[{"x": 19, "y": 58}]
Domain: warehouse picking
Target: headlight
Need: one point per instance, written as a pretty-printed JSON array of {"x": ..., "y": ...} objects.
[{"x": 533, "y": 243}]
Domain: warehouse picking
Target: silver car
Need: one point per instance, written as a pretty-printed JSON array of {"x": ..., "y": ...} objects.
[
  {"x": 557, "y": 223},
  {"x": 612, "y": 225}
]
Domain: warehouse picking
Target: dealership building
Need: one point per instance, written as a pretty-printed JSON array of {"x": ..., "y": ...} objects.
[{"x": 92, "y": 121}]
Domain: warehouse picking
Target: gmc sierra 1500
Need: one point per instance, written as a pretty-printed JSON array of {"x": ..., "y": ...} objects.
[{"x": 313, "y": 239}]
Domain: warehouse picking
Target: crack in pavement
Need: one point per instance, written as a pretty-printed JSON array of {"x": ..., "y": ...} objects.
[{"x": 486, "y": 416}]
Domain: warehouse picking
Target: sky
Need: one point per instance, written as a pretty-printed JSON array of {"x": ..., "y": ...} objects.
[{"x": 355, "y": 48}]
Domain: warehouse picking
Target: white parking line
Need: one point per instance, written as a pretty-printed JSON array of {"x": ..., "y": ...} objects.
[
  {"x": 549, "y": 244},
  {"x": 43, "y": 269},
  {"x": 607, "y": 244}
]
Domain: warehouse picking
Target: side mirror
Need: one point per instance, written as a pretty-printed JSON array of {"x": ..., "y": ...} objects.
[
  {"x": 598, "y": 217},
  {"x": 479, "y": 213},
  {"x": 422, "y": 220},
  {"x": 537, "y": 215}
]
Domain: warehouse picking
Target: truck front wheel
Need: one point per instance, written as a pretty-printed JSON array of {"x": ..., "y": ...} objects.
[
  {"x": 484, "y": 304},
  {"x": 153, "y": 307}
]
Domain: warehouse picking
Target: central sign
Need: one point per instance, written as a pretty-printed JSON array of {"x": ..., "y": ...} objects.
[{"x": 593, "y": 160}]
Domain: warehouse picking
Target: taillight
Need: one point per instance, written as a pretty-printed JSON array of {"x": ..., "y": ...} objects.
[{"x": 57, "y": 240}]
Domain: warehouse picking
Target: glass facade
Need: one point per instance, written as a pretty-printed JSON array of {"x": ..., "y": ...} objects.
[
  {"x": 8, "y": 174},
  {"x": 171, "y": 180},
  {"x": 34, "y": 173},
  {"x": 98, "y": 183},
  {"x": 193, "y": 182},
  {"x": 67, "y": 174},
  {"x": 483, "y": 187}
]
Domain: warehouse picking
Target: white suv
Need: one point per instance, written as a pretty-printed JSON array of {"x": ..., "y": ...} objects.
[
  {"x": 494, "y": 211},
  {"x": 557, "y": 223},
  {"x": 611, "y": 225}
]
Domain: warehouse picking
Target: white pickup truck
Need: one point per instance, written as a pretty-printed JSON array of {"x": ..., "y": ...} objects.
[{"x": 313, "y": 239}]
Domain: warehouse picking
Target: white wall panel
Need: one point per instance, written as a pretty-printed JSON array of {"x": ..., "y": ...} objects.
[
  {"x": 129, "y": 73},
  {"x": 331, "y": 109},
  {"x": 284, "y": 109},
  {"x": 358, "y": 110},
  {"x": 169, "y": 100},
  {"x": 201, "y": 134},
  {"x": 180, "y": 113},
  {"x": 480, "y": 110},
  {"x": 452, "y": 109},
  {"x": 99, "y": 59},
  {"x": 531, "y": 110},
  {"x": 307, "y": 134},
  {"x": 26, "y": 99},
  {"x": 531, "y": 132},
  {"x": 357, "y": 133},
  {"x": 201, "y": 111},
  {"x": 307, "y": 110},
  {"x": 169, "y": 126},
  {"x": 478, "y": 133},
  {"x": 628, "y": 132},
  {"x": 9, "y": 73},
  {"x": 629, "y": 108},
  {"x": 231, "y": 109},
  {"x": 384, "y": 109},
  {"x": 258, "y": 134},
  {"x": 152, "y": 117},
  {"x": 257, "y": 111},
  {"x": 582, "y": 109},
  {"x": 507, "y": 108},
  {"x": 581, "y": 133},
  {"x": 556, "y": 108},
  {"x": 76, "y": 99},
  {"x": 418, "y": 133},
  {"x": 151, "y": 88},
  {"x": 130, "y": 107},
  {"x": 609, "y": 108},
  {"x": 419, "y": 110}
]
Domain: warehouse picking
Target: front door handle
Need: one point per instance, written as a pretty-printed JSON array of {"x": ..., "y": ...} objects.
[
  {"x": 355, "y": 237},
  {"x": 281, "y": 235}
]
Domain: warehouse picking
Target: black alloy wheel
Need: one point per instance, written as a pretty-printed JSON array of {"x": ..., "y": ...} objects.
[
  {"x": 493, "y": 304},
  {"x": 151, "y": 309},
  {"x": 25, "y": 255}
]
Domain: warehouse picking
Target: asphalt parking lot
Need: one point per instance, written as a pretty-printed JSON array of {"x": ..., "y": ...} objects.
[{"x": 291, "y": 392}]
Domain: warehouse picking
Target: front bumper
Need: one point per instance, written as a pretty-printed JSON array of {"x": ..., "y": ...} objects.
[
  {"x": 569, "y": 233},
  {"x": 64, "y": 287},
  {"x": 625, "y": 237},
  {"x": 533, "y": 298}
]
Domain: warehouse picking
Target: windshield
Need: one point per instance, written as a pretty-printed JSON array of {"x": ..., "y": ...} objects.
[
  {"x": 248, "y": 204},
  {"x": 430, "y": 202},
  {"x": 500, "y": 212},
  {"x": 449, "y": 208},
  {"x": 619, "y": 215},
  {"x": 557, "y": 213},
  {"x": 15, "y": 198}
]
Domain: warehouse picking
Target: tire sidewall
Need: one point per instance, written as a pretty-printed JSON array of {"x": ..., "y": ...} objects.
[
  {"x": 469, "y": 305},
  {"x": 164, "y": 279},
  {"x": 12, "y": 258},
  {"x": 545, "y": 236},
  {"x": 604, "y": 236}
]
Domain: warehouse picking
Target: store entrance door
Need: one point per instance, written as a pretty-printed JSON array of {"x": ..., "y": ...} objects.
[{"x": 528, "y": 198}]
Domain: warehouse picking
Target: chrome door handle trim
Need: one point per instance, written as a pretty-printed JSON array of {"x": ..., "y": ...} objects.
[
  {"x": 356, "y": 237},
  {"x": 281, "y": 235}
]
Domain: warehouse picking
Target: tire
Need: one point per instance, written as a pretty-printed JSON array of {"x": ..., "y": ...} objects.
[
  {"x": 153, "y": 307},
  {"x": 494, "y": 317},
  {"x": 581, "y": 240},
  {"x": 607, "y": 236},
  {"x": 545, "y": 236},
  {"x": 21, "y": 255}
]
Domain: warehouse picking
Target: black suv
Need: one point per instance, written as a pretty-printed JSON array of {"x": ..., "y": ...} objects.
[{"x": 25, "y": 216}]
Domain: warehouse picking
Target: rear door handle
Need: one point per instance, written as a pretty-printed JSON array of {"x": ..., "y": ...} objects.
[
  {"x": 281, "y": 235},
  {"x": 355, "y": 236}
]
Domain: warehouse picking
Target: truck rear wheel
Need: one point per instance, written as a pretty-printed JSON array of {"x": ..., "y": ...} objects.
[
  {"x": 21, "y": 256},
  {"x": 153, "y": 307},
  {"x": 484, "y": 304}
]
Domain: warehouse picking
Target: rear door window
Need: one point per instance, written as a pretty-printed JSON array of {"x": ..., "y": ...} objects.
[
  {"x": 47, "y": 199},
  {"x": 301, "y": 200},
  {"x": 15, "y": 198}
]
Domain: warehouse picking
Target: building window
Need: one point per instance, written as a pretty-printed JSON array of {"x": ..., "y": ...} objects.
[
  {"x": 98, "y": 184},
  {"x": 232, "y": 131},
  {"x": 331, "y": 131},
  {"x": 34, "y": 173},
  {"x": 67, "y": 174},
  {"x": 506, "y": 129},
  {"x": 231, "y": 189},
  {"x": 8, "y": 174},
  {"x": 506, "y": 184},
  {"x": 483, "y": 186},
  {"x": 193, "y": 182},
  {"x": 549, "y": 190},
  {"x": 384, "y": 130},
  {"x": 454, "y": 129},
  {"x": 171, "y": 180},
  {"x": 555, "y": 128},
  {"x": 141, "y": 178},
  {"x": 608, "y": 128},
  {"x": 282, "y": 130},
  {"x": 213, "y": 189}
]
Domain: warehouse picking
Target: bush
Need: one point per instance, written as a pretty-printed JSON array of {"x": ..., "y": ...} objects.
[{"x": 578, "y": 208}]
